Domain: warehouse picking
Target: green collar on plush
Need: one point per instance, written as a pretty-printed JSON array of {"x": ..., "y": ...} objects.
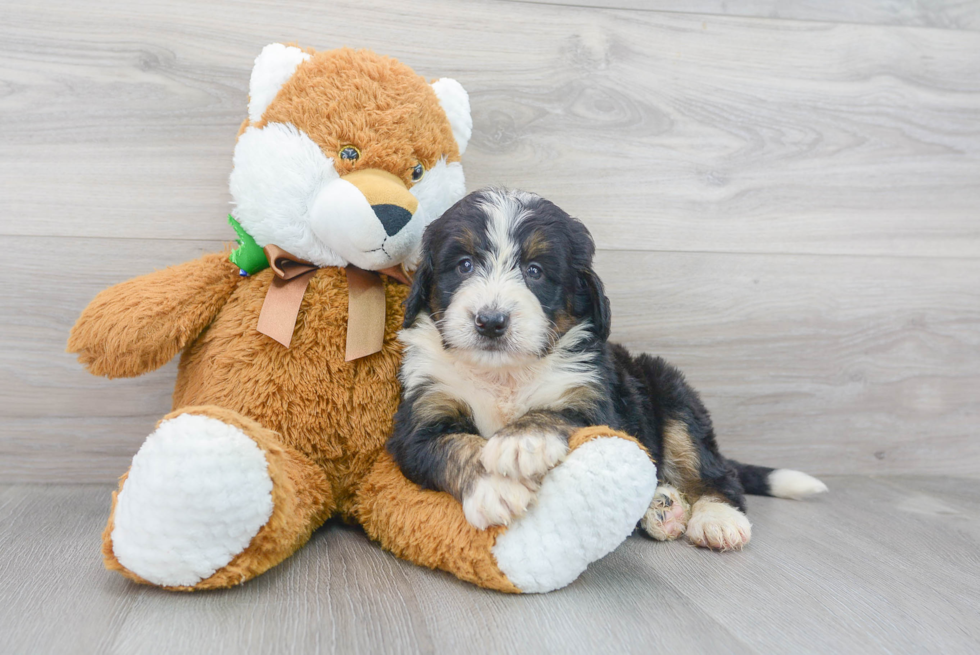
[{"x": 249, "y": 255}]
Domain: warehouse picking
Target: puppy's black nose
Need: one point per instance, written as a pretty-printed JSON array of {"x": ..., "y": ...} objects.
[
  {"x": 393, "y": 218},
  {"x": 492, "y": 324}
]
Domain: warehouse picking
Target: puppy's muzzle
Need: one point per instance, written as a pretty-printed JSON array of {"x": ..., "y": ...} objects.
[
  {"x": 492, "y": 325},
  {"x": 388, "y": 196}
]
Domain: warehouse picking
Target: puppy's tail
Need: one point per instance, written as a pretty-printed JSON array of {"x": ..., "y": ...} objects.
[{"x": 781, "y": 483}]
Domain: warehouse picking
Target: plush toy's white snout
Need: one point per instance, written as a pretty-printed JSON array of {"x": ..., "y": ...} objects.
[{"x": 368, "y": 218}]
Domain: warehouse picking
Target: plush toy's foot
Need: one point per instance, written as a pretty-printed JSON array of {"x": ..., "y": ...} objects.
[
  {"x": 585, "y": 508},
  {"x": 668, "y": 514},
  {"x": 211, "y": 500}
]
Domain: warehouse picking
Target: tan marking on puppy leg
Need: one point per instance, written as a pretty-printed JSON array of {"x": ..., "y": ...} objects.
[
  {"x": 681, "y": 463},
  {"x": 667, "y": 517},
  {"x": 435, "y": 406},
  {"x": 717, "y": 525},
  {"x": 581, "y": 398},
  {"x": 460, "y": 467}
]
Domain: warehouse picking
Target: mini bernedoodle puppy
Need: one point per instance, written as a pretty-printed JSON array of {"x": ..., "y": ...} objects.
[{"x": 506, "y": 354}]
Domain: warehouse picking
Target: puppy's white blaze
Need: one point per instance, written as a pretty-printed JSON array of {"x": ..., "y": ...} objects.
[
  {"x": 787, "y": 483},
  {"x": 495, "y": 395},
  {"x": 504, "y": 214}
]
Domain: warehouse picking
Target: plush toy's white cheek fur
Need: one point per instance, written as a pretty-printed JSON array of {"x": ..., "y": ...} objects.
[
  {"x": 288, "y": 193},
  {"x": 441, "y": 187},
  {"x": 278, "y": 171},
  {"x": 341, "y": 216}
]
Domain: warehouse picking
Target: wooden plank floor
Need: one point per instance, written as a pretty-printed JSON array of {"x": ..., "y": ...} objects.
[
  {"x": 784, "y": 194},
  {"x": 884, "y": 564}
]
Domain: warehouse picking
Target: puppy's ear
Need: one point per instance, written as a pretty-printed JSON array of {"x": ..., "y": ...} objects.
[
  {"x": 593, "y": 304},
  {"x": 418, "y": 297}
]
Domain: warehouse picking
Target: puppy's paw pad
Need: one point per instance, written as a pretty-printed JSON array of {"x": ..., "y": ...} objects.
[
  {"x": 526, "y": 457},
  {"x": 666, "y": 518},
  {"x": 718, "y": 525},
  {"x": 495, "y": 500}
]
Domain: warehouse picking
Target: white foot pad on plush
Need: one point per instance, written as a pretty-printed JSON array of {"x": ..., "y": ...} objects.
[
  {"x": 198, "y": 491},
  {"x": 585, "y": 508}
]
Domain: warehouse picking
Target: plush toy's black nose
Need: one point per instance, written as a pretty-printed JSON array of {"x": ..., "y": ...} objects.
[
  {"x": 492, "y": 324},
  {"x": 392, "y": 217}
]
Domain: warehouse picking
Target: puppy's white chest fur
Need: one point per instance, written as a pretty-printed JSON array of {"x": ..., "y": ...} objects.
[{"x": 494, "y": 396}]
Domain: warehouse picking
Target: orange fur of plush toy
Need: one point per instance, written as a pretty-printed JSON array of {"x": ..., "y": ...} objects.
[
  {"x": 404, "y": 126},
  {"x": 320, "y": 421}
]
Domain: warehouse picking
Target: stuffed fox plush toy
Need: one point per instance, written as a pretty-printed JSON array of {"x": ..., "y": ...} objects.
[{"x": 287, "y": 382}]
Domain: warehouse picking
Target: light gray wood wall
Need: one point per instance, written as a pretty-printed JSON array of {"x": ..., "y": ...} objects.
[{"x": 785, "y": 196}]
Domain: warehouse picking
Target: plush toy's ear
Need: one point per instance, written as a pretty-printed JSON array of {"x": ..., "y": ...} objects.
[
  {"x": 456, "y": 103},
  {"x": 273, "y": 68},
  {"x": 593, "y": 303},
  {"x": 418, "y": 297}
]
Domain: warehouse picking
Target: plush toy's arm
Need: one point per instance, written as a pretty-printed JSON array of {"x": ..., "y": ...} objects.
[{"x": 139, "y": 325}]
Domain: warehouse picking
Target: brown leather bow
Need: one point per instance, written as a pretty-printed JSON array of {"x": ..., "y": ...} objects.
[{"x": 365, "y": 303}]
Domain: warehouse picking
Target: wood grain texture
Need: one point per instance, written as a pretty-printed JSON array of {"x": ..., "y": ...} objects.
[
  {"x": 834, "y": 364},
  {"x": 941, "y": 14},
  {"x": 879, "y": 565},
  {"x": 785, "y": 209},
  {"x": 669, "y": 131},
  {"x": 838, "y": 364}
]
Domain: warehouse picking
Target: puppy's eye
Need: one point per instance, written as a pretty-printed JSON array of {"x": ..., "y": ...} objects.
[
  {"x": 465, "y": 265},
  {"x": 350, "y": 153},
  {"x": 418, "y": 172},
  {"x": 533, "y": 271}
]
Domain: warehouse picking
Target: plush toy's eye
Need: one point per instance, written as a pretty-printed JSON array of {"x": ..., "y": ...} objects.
[
  {"x": 418, "y": 172},
  {"x": 533, "y": 271},
  {"x": 350, "y": 153},
  {"x": 465, "y": 265}
]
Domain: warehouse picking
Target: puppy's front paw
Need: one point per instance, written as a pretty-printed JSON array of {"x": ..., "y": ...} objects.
[
  {"x": 667, "y": 516},
  {"x": 526, "y": 457},
  {"x": 718, "y": 525},
  {"x": 495, "y": 500}
]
